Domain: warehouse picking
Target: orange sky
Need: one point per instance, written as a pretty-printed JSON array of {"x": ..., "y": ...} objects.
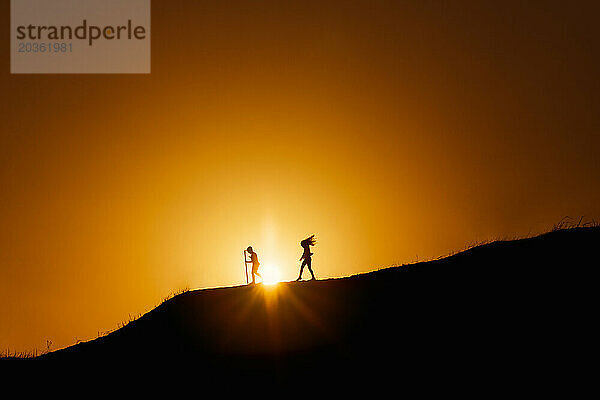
[{"x": 391, "y": 131}]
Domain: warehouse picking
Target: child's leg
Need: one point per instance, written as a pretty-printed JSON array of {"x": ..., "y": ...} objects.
[
  {"x": 301, "y": 269},
  {"x": 309, "y": 265},
  {"x": 255, "y": 272}
]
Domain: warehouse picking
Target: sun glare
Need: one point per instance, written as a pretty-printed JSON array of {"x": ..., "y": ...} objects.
[{"x": 270, "y": 274}]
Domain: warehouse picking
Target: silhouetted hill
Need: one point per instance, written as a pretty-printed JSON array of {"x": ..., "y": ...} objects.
[{"x": 504, "y": 310}]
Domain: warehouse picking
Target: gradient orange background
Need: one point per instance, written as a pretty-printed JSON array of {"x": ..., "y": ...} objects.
[{"x": 391, "y": 130}]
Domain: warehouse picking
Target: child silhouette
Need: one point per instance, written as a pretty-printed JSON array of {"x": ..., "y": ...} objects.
[
  {"x": 306, "y": 257},
  {"x": 254, "y": 261}
]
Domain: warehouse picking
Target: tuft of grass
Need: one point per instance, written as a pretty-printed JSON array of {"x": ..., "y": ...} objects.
[
  {"x": 7, "y": 354},
  {"x": 174, "y": 294},
  {"x": 569, "y": 223}
]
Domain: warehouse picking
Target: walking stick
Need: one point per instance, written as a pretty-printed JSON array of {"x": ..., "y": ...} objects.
[{"x": 246, "y": 266}]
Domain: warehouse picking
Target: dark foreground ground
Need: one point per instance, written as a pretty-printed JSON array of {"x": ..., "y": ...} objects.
[{"x": 505, "y": 312}]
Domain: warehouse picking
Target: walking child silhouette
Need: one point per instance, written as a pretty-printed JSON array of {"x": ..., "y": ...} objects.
[{"x": 306, "y": 257}]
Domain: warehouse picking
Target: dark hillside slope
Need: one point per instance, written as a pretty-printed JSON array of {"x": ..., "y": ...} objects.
[{"x": 527, "y": 302}]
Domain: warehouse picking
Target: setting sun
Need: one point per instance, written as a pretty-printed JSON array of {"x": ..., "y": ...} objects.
[{"x": 271, "y": 274}]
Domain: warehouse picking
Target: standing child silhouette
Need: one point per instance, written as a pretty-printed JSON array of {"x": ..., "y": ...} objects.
[
  {"x": 254, "y": 261},
  {"x": 306, "y": 257}
]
